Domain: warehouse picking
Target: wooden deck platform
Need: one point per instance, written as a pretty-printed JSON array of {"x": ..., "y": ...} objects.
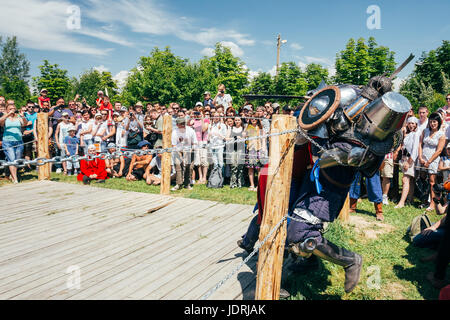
[{"x": 51, "y": 232}]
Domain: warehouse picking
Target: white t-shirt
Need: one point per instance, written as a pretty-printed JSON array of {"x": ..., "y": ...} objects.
[
  {"x": 224, "y": 100},
  {"x": 184, "y": 137},
  {"x": 217, "y": 133},
  {"x": 121, "y": 135},
  {"x": 85, "y": 126}
]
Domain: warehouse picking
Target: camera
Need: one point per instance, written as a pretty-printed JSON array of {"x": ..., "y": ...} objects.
[
  {"x": 440, "y": 194},
  {"x": 222, "y": 91}
]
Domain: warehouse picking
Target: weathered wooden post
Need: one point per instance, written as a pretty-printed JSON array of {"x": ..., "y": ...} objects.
[
  {"x": 42, "y": 143},
  {"x": 270, "y": 260},
  {"x": 166, "y": 160},
  {"x": 344, "y": 215}
]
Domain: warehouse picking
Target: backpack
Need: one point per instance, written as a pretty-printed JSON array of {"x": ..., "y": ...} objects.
[
  {"x": 215, "y": 179},
  {"x": 418, "y": 224}
]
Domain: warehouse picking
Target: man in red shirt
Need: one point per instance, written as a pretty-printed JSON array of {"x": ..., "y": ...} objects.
[{"x": 92, "y": 170}]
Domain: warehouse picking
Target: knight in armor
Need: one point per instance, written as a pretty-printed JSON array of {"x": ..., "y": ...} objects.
[{"x": 353, "y": 129}]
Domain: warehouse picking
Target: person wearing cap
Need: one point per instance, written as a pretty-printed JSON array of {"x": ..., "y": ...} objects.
[
  {"x": 409, "y": 153},
  {"x": 43, "y": 98},
  {"x": 183, "y": 136},
  {"x": 222, "y": 98},
  {"x": 94, "y": 169},
  {"x": 71, "y": 145},
  {"x": 62, "y": 131},
  {"x": 99, "y": 100},
  {"x": 207, "y": 101},
  {"x": 139, "y": 108},
  {"x": 139, "y": 164},
  {"x": 115, "y": 167}
]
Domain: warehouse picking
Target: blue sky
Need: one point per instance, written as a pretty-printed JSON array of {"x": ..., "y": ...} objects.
[{"x": 114, "y": 34}]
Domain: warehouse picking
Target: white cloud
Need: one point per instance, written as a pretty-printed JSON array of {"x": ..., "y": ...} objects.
[
  {"x": 121, "y": 78},
  {"x": 42, "y": 25},
  {"x": 397, "y": 82},
  {"x": 273, "y": 71},
  {"x": 234, "y": 48},
  {"x": 253, "y": 74},
  {"x": 209, "y": 52},
  {"x": 295, "y": 46},
  {"x": 147, "y": 17},
  {"x": 318, "y": 60},
  {"x": 101, "y": 68}
]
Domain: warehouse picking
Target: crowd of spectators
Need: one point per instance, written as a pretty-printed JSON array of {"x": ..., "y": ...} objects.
[{"x": 203, "y": 136}]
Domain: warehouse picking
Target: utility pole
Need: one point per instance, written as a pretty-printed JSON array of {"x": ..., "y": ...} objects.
[{"x": 279, "y": 42}]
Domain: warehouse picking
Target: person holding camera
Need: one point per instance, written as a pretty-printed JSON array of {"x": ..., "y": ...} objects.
[
  {"x": 134, "y": 128},
  {"x": 201, "y": 125},
  {"x": 12, "y": 142},
  {"x": 222, "y": 98}
]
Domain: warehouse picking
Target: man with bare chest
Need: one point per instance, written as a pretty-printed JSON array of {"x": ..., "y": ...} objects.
[{"x": 139, "y": 164}]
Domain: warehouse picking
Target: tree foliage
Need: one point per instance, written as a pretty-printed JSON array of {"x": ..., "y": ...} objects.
[
  {"x": 14, "y": 69},
  {"x": 429, "y": 82},
  {"x": 359, "y": 61},
  {"x": 91, "y": 82},
  {"x": 55, "y": 80}
]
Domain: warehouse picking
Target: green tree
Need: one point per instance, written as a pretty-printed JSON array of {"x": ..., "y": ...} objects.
[
  {"x": 14, "y": 68},
  {"x": 428, "y": 84},
  {"x": 229, "y": 70},
  {"x": 55, "y": 80},
  {"x": 91, "y": 82},
  {"x": 290, "y": 81},
  {"x": 314, "y": 74},
  {"x": 359, "y": 61}
]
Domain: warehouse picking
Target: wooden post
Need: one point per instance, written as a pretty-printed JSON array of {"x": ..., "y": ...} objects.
[
  {"x": 344, "y": 214},
  {"x": 42, "y": 143},
  {"x": 270, "y": 260},
  {"x": 166, "y": 160}
]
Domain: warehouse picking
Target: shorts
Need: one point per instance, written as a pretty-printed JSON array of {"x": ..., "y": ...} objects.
[
  {"x": 13, "y": 150},
  {"x": 201, "y": 157},
  {"x": 388, "y": 169},
  {"x": 28, "y": 144},
  {"x": 409, "y": 172}
]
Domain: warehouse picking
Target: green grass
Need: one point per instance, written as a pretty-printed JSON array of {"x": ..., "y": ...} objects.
[{"x": 402, "y": 274}]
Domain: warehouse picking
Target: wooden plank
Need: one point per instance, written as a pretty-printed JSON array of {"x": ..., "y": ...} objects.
[
  {"x": 70, "y": 255},
  {"x": 29, "y": 292},
  {"x": 73, "y": 243},
  {"x": 111, "y": 249},
  {"x": 161, "y": 251},
  {"x": 175, "y": 266}
]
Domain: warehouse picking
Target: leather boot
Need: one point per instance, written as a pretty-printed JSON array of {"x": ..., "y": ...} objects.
[
  {"x": 351, "y": 261},
  {"x": 302, "y": 265},
  {"x": 379, "y": 211},
  {"x": 353, "y": 204}
]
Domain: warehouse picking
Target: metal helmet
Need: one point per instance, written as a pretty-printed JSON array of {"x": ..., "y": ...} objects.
[{"x": 383, "y": 116}]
